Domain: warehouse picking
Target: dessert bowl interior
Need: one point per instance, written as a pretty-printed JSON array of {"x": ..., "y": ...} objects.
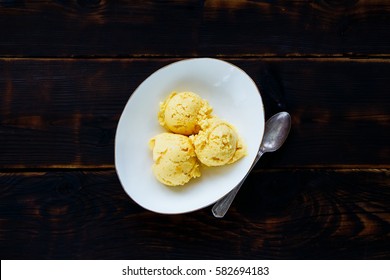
[{"x": 234, "y": 98}]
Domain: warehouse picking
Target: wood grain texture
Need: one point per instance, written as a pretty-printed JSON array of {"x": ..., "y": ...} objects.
[
  {"x": 63, "y": 113},
  {"x": 108, "y": 28},
  {"x": 302, "y": 214},
  {"x": 68, "y": 67}
]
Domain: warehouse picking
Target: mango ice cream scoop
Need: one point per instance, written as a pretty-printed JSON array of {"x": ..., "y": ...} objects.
[
  {"x": 174, "y": 157},
  {"x": 181, "y": 112},
  {"x": 218, "y": 143}
]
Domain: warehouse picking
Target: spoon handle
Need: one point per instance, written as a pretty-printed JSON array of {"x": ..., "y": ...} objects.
[{"x": 221, "y": 207}]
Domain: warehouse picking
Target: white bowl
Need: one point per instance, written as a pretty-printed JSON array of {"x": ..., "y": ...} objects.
[{"x": 234, "y": 98}]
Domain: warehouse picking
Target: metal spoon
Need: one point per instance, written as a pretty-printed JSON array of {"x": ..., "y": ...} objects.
[{"x": 276, "y": 131}]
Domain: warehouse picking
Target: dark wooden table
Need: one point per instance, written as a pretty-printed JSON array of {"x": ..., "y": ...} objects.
[{"x": 67, "y": 69}]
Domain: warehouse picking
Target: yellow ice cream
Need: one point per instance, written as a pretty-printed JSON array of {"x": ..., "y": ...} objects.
[
  {"x": 218, "y": 143},
  {"x": 196, "y": 136},
  {"x": 181, "y": 112},
  {"x": 175, "y": 161}
]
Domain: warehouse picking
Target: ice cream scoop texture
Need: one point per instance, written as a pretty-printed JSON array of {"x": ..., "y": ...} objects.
[{"x": 195, "y": 137}]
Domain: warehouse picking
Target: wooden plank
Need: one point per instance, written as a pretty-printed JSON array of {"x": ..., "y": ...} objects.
[
  {"x": 296, "y": 28},
  {"x": 193, "y": 28},
  {"x": 338, "y": 107},
  {"x": 300, "y": 214},
  {"x": 57, "y": 113}
]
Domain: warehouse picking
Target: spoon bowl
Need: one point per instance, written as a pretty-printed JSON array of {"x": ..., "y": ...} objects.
[{"x": 276, "y": 130}]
